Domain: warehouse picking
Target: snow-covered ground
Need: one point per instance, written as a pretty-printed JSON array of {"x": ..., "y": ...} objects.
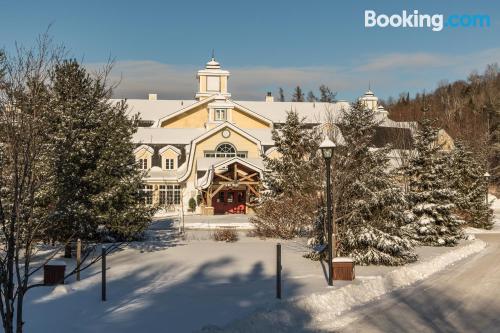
[
  {"x": 183, "y": 284},
  {"x": 323, "y": 311},
  {"x": 203, "y": 222}
]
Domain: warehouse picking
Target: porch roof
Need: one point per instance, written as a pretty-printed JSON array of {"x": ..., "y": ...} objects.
[
  {"x": 209, "y": 165},
  {"x": 205, "y": 163}
]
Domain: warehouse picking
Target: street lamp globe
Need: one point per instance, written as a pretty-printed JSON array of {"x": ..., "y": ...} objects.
[
  {"x": 327, "y": 147},
  {"x": 486, "y": 175}
]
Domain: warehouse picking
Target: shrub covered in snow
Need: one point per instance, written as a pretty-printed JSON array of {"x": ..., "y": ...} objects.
[
  {"x": 225, "y": 235},
  {"x": 285, "y": 216}
]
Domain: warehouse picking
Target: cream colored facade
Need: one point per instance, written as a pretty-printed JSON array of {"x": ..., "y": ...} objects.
[{"x": 211, "y": 148}]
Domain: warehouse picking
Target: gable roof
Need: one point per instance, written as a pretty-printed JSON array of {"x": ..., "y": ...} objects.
[
  {"x": 210, "y": 165},
  {"x": 270, "y": 112},
  {"x": 210, "y": 133},
  {"x": 185, "y": 109}
]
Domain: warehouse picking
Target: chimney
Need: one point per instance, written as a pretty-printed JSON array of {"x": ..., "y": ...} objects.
[
  {"x": 152, "y": 97},
  {"x": 269, "y": 97}
]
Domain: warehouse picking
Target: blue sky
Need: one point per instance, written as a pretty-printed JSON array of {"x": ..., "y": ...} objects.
[{"x": 159, "y": 45}]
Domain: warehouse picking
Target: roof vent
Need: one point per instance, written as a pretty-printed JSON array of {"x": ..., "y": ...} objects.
[{"x": 152, "y": 97}]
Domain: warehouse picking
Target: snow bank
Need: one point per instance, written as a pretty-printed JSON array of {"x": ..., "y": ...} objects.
[
  {"x": 322, "y": 311},
  {"x": 216, "y": 225}
]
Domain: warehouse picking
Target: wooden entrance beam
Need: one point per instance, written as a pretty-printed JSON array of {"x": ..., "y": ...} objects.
[
  {"x": 248, "y": 176},
  {"x": 217, "y": 191},
  {"x": 224, "y": 177},
  {"x": 250, "y": 187}
]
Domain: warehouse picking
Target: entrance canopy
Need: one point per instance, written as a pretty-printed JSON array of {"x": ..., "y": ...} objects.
[{"x": 228, "y": 185}]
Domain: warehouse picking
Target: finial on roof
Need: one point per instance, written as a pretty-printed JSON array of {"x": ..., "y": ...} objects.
[
  {"x": 369, "y": 85},
  {"x": 212, "y": 64}
]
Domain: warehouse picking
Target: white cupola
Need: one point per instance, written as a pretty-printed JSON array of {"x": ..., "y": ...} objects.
[
  {"x": 370, "y": 100},
  {"x": 212, "y": 80}
]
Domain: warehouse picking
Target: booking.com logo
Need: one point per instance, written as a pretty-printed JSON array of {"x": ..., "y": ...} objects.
[{"x": 416, "y": 20}]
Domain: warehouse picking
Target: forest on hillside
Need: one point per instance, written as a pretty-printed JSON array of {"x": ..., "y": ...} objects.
[{"x": 469, "y": 110}]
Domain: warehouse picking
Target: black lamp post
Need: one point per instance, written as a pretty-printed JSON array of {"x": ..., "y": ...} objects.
[
  {"x": 327, "y": 147},
  {"x": 487, "y": 182}
]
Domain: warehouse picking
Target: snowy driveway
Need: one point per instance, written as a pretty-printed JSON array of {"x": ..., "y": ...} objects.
[{"x": 463, "y": 298}]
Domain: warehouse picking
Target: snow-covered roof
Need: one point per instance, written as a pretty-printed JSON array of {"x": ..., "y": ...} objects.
[
  {"x": 264, "y": 135},
  {"x": 155, "y": 109},
  {"x": 277, "y": 111},
  {"x": 161, "y": 135},
  {"x": 205, "y": 163},
  {"x": 160, "y": 174},
  {"x": 210, "y": 165}
]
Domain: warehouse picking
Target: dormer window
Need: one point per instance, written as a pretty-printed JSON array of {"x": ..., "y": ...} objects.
[
  {"x": 169, "y": 163},
  {"x": 143, "y": 163},
  {"x": 220, "y": 114}
]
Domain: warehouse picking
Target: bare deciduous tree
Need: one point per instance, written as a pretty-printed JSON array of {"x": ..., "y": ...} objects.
[{"x": 26, "y": 175}]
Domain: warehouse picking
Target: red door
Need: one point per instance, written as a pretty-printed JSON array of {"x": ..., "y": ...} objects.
[{"x": 229, "y": 202}]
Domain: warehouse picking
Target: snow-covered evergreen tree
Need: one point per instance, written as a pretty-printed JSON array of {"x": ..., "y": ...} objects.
[
  {"x": 466, "y": 176},
  {"x": 289, "y": 207},
  {"x": 429, "y": 196},
  {"x": 96, "y": 181},
  {"x": 298, "y": 165},
  {"x": 369, "y": 205}
]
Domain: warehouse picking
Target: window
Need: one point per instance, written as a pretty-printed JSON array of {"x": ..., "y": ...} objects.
[
  {"x": 147, "y": 190},
  {"x": 220, "y": 197},
  {"x": 229, "y": 197},
  {"x": 220, "y": 114},
  {"x": 170, "y": 194},
  {"x": 225, "y": 150},
  {"x": 143, "y": 163},
  {"x": 169, "y": 163}
]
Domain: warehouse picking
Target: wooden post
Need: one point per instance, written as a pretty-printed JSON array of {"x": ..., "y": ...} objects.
[
  {"x": 182, "y": 211},
  {"x": 78, "y": 258},
  {"x": 103, "y": 275},
  {"x": 278, "y": 271}
]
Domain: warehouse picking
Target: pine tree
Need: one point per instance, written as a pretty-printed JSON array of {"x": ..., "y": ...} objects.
[
  {"x": 430, "y": 196},
  {"x": 369, "y": 205},
  {"x": 466, "y": 177},
  {"x": 298, "y": 95},
  {"x": 326, "y": 95},
  {"x": 290, "y": 205},
  {"x": 97, "y": 184},
  {"x": 281, "y": 95},
  {"x": 298, "y": 163},
  {"x": 310, "y": 97}
]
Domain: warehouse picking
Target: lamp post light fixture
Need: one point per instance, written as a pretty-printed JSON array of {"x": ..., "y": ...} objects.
[{"x": 326, "y": 148}]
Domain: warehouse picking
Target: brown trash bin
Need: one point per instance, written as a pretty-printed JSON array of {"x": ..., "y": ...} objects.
[
  {"x": 53, "y": 272},
  {"x": 343, "y": 269}
]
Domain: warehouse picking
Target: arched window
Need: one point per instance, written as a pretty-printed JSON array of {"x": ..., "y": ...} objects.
[{"x": 225, "y": 150}]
